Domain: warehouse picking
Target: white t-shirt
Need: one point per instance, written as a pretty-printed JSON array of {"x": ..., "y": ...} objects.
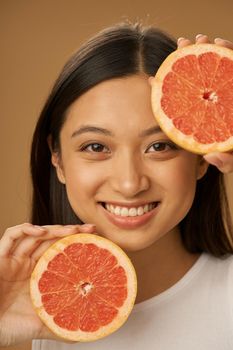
[{"x": 194, "y": 314}]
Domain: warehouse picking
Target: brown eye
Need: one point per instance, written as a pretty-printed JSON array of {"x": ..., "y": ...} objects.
[
  {"x": 95, "y": 147},
  {"x": 161, "y": 147}
]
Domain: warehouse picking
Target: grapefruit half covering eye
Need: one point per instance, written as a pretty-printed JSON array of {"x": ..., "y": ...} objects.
[
  {"x": 83, "y": 287},
  {"x": 192, "y": 98}
]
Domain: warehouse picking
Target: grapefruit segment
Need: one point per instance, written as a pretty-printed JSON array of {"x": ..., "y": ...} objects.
[
  {"x": 183, "y": 66},
  {"x": 54, "y": 302},
  {"x": 190, "y": 120},
  {"x": 53, "y": 282},
  {"x": 225, "y": 95},
  {"x": 208, "y": 65},
  {"x": 62, "y": 265},
  {"x": 83, "y": 287},
  {"x": 192, "y": 98},
  {"x": 226, "y": 113},
  {"x": 224, "y": 73},
  {"x": 182, "y": 96}
]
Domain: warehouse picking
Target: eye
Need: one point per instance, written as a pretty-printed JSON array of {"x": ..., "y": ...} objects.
[
  {"x": 161, "y": 146},
  {"x": 95, "y": 148}
]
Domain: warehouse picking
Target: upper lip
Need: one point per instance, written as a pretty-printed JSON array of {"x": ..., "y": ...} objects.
[{"x": 129, "y": 205}]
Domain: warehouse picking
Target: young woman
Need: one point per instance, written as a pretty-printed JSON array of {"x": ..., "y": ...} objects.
[{"x": 100, "y": 163}]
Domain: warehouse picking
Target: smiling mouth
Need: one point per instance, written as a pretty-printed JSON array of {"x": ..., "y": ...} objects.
[{"x": 129, "y": 211}]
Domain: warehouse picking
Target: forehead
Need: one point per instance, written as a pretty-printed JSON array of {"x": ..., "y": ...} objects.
[{"x": 116, "y": 103}]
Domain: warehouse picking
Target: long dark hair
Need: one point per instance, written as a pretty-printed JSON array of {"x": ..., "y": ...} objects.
[{"x": 119, "y": 51}]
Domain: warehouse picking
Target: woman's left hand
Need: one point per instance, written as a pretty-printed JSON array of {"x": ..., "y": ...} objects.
[{"x": 222, "y": 160}]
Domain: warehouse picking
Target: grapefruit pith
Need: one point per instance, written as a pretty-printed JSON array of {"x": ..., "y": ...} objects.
[
  {"x": 83, "y": 287},
  {"x": 192, "y": 98}
]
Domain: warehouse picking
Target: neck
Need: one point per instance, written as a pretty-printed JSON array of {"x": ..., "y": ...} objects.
[{"x": 161, "y": 265}]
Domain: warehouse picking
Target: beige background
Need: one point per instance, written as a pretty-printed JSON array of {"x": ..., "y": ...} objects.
[{"x": 36, "y": 39}]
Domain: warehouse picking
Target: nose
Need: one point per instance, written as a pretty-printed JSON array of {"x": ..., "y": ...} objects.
[{"x": 128, "y": 176}]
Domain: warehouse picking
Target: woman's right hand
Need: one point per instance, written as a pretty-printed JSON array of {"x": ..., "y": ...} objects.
[{"x": 20, "y": 248}]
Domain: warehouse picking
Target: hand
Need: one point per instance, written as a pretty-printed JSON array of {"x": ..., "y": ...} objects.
[
  {"x": 20, "y": 248},
  {"x": 203, "y": 39},
  {"x": 222, "y": 160}
]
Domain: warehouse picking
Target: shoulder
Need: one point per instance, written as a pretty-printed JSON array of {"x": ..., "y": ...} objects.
[
  {"x": 220, "y": 264},
  {"x": 217, "y": 272},
  {"x": 216, "y": 281},
  {"x": 225, "y": 262},
  {"x": 219, "y": 293},
  {"x": 220, "y": 272}
]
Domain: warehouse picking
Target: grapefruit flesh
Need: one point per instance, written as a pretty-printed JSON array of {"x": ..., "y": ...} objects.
[
  {"x": 192, "y": 98},
  {"x": 83, "y": 287}
]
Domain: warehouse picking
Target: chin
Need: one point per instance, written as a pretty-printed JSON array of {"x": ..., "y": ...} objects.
[{"x": 132, "y": 246}]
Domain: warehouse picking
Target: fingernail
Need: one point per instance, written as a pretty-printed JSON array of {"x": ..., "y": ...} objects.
[
  {"x": 150, "y": 80},
  {"x": 198, "y": 36},
  {"x": 40, "y": 228},
  {"x": 89, "y": 225},
  {"x": 179, "y": 39}
]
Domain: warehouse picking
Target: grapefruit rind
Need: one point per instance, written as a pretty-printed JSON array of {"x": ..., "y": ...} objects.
[
  {"x": 123, "y": 311},
  {"x": 185, "y": 141}
]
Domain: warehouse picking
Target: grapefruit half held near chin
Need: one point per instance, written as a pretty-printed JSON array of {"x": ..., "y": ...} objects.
[
  {"x": 192, "y": 98},
  {"x": 83, "y": 287}
]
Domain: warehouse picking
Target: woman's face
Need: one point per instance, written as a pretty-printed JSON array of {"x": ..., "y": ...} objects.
[{"x": 121, "y": 172}]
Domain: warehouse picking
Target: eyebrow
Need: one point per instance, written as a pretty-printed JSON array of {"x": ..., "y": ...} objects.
[
  {"x": 91, "y": 128},
  {"x": 151, "y": 131}
]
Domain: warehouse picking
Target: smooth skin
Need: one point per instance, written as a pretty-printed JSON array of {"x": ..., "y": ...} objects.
[
  {"x": 22, "y": 245},
  {"x": 124, "y": 166},
  {"x": 123, "y": 169}
]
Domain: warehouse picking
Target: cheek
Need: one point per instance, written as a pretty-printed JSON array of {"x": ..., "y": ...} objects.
[
  {"x": 178, "y": 179},
  {"x": 82, "y": 180}
]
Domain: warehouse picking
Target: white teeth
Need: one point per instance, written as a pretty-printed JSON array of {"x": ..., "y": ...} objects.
[
  {"x": 116, "y": 211},
  {"x": 123, "y": 211},
  {"x": 140, "y": 211},
  {"x": 132, "y": 212}
]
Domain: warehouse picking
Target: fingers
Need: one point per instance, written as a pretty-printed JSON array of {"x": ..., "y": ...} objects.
[
  {"x": 203, "y": 39},
  {"x": 41, "y": 248},
  {"x": 23, "y": 240},
  {"x": 12, "y": 234},
  {"x": 182, "y": 42},
  {"x": 63, "y": 229},
  {"x": 150, "y": 80},
  {"x": 27, "y": 246},
  {"x": 200, "y": 39},
  {"x": 222, "y": 160},
  {"x": 224, "y": 43}
]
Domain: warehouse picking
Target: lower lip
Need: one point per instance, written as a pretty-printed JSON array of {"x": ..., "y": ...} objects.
[{"x": 130, "y": 222}]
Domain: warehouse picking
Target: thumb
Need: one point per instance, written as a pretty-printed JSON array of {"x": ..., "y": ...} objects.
[{"x": 222, "y": 160}]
